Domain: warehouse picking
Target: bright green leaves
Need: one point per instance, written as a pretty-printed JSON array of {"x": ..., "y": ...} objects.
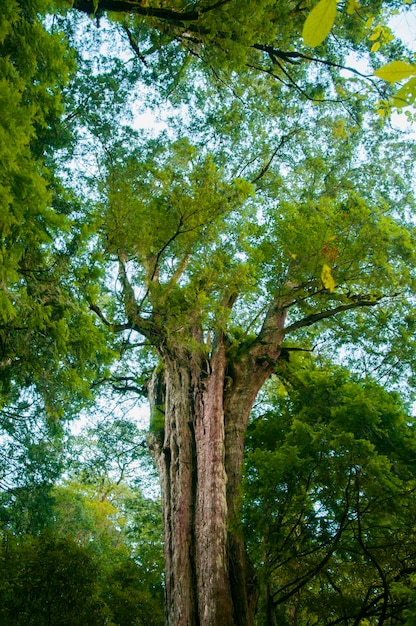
[
  {"x": 323, "y": 233},
  {"x": 33, "y": 68},
  {"x": 319, "y": 22},
  {"x": 166, "y": 215},
  {"x": 338, "y": 233},
  {"x": 381, "y": 35},
  {"x": 352, "y": 6},
  {"x": 49, "y": 343},
  {"x": 160, "y": 208},
  {"x": 395, "y": 71},
  {"x": 406, "y": 95}
]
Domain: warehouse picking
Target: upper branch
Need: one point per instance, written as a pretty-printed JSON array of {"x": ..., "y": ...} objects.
[
  {"x": 115, "y": 328},
  {"x": 316, "y": 317},
  {"x": 280, "y": 145},
  {"x": 138, "y": 8},
  {"x": 136, "y": 322},
  {"x": 294, "y": 58}
]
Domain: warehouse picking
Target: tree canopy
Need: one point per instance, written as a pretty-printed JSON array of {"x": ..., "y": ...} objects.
[
  {"x": 267, "y": 226},
  {"x": 329, "y": 511}
]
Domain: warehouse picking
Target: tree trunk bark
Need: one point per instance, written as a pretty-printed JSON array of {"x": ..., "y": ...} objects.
[{"x": 199, "y": 458}]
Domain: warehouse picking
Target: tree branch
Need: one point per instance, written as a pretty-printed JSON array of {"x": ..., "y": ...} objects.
[
  {"x": 266, "y": 167},
  {"x": 115, "y": 328},
  {"x": 138, "y": 8},
  {"x": 294, "y": 57},
  {"x": 136, "y": 322},
  {"x": 384, "y": 596},
  {"x": 294, "y": 586},
  {"x": 316, "y": 317},
  {"x": 133, "y": 44}
]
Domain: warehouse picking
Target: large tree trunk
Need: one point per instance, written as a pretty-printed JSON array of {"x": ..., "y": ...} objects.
[{"x": 199, "y": 459}]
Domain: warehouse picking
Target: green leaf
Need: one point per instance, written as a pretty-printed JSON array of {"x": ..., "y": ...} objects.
[
  {"x": 406, "y": 94},
  {"x": 396, "y": 71},
  {"x": 319, "y": 22}
]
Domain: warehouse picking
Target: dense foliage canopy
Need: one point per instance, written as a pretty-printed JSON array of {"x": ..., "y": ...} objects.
[
  {"x": 257, "y": 235},
  {"x": 330, "y": 511}
]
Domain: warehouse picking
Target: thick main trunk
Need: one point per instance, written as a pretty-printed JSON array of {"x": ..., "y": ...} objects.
[
  {"x": 199, "y": 456},
  {"x": 173, "y": 450},
  {"x": 211, "y": 517}
]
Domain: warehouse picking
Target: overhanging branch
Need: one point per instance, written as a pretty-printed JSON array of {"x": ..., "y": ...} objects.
[
  {"x": 295, "y": 57},
  {"x": 316, "y": 317},
  {"x": 139, "y": 8}
]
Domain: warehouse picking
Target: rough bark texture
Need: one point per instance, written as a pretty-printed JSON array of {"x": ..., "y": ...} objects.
[{"x": 199, "y": 456}]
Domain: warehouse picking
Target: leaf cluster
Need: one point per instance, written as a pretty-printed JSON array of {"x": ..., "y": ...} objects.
[{"x": 329, "y": 508}]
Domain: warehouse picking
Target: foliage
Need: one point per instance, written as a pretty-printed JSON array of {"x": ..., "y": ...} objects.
[
  {"x": 252, "y": 201},
  {"x": 319, "y": 22},
  {"x": 122, "y": 531},
  {"x": 329, "y": 507},
  {"x": 112, "y": 451},
  {"x": 49, "y": 344},
  {"x": 263, "y": 40},
  {"x": 325, "y": 228},
  {"x": 89, "y": 550},
  {"x": 48, "y": 581}
]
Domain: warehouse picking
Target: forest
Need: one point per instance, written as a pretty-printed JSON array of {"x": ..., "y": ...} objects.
[{"x": 207, "y": 313}]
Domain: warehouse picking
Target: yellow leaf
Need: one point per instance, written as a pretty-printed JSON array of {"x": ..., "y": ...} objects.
[
  {"x": 293, "y": 255},
  {"x": 395, "y": 71},
  {"x": 376, "y": 34},
  {"x": 327, "y": 278},
  {"x": 352, "y": 6},
  {"x": 319, "y": 22},
  {"x": 375, "y": 47}
]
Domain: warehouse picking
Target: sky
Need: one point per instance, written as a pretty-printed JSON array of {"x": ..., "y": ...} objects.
[{"x": 404, "y": 25}]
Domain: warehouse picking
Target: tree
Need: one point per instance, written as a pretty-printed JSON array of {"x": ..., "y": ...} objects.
[
  {"x": 85, "y": 549},
  {"x": 122, "y": 533},
  {"x": 49, "y": 344},
  {"x": 216, "y": 272},
  {"x": 224, "y": 281},
  {"x": 48, "y": 581},
  {"x": 329, "y": 501},
  {"x": 101, "y": 507},
  {"x": 237, "y": 246}
]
